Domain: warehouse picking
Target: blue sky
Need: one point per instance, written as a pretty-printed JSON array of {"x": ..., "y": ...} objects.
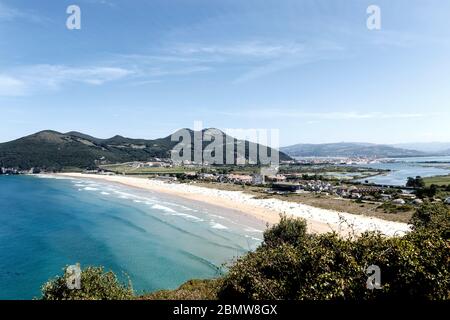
[{"x": 310, "y": 68}]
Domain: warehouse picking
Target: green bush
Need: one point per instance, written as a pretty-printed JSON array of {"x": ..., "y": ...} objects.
[
  {"x": 434, "y": 217},
  {"x": 286, "y": 231},
  {"x": 297, "y": 266},
  {"x": 95, "y": 285}
]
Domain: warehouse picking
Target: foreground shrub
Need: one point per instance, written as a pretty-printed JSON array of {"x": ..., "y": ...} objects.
[
  {"x": 433, "y": 217},
  {"x": 301, "y": 266},
  {"x": 286, "y": 231},
  {"x": 95, "y": 285}
]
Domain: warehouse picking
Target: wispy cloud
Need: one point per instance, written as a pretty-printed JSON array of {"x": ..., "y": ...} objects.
[
  {"x": 102, "y": 2},
  {"x": 316, "y": 116},
  {"x": 258, "y": 58},
  {"x": 10, "y": 86},
  {"x": 27, "y": 80},
  {"x": 31, "y": 79},
  {"x": 250, "y": 48},
  {"x": 8, "y": 13},
  {"x": 286, "y": 59}
]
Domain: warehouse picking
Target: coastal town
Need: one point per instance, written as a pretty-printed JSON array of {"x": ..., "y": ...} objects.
[
  {"x": 314, "y": 176},
  {"x": 324, "y": 178}
]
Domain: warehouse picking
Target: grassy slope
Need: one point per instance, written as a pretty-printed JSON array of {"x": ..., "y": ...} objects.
[{"x": 438, "y": 180}]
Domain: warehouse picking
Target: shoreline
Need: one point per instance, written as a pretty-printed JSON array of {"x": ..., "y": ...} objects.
[{"x": 267, "y": 210}]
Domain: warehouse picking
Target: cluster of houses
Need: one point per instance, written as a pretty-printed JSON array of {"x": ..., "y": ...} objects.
[
  {"x": 279, "y": 184},
  {"x": 156, "y": 163},
  {"x": 9, "y": 171},
  {"x": 336, "y": 160},
  {"x": 247, "y": 179},
  {"x": 396, "y": 196},
  {"x": 12, "y": 171}
]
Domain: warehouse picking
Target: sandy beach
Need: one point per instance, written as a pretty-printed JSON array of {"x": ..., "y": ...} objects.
[{"x": 267, "y": 210}]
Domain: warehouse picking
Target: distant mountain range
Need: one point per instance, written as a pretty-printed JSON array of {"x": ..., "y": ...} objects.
[
  {"x": 348, "y": 149},
  {"x": 429, "y": 147},
  {"x": 53, "y": 150}
]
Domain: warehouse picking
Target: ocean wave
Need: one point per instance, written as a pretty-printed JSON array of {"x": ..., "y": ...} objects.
[
  {"x": 188, "y": 216},
  {"x": 128, "y": 223},
  {"x": 80, "y": 185},
  {"x": 217, "y": 216},
  {"x": 253, "y": 238},
  {"x": 48, "y": 176},
  {"x": 180, "y": 206},
  {"x": 163, "y": 208},
  {"x": 219, "y": 226},
  {"x": 90, "y": 189},
  {"x": 250, "y": 229},
  {"x": 204, "y": 261}
]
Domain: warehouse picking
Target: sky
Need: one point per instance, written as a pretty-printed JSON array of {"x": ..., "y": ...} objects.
[{"x": 311, "y": 69}]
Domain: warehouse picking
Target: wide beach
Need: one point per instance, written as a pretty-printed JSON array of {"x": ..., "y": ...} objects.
[{"x": 267, "y": 210}]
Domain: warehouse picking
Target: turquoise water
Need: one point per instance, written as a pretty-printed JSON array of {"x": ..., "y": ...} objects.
[
  {"x": 160, "y": 242},
  {"x": 402, "y": 168}
]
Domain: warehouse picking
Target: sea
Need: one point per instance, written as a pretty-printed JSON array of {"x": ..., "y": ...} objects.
[{"x": 154, "y": 240}]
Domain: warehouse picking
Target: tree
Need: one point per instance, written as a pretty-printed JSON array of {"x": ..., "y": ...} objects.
[
  {"x": 429, "y": 192},
  {"x": 416, "y": 182}
]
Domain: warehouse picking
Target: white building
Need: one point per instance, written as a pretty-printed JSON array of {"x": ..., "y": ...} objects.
[
  {"x": 258, "y": 179},
  {"x": 399, "y": 201}
]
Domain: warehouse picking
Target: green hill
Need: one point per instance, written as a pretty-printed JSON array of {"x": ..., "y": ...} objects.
[{"x": 53, "y": 150}]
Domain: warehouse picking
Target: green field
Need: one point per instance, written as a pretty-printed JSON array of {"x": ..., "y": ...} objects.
[
  {"x": 438, "y": 180},
  {"x": 123, "y": 168},
  {"x": 127, "y": 169}
]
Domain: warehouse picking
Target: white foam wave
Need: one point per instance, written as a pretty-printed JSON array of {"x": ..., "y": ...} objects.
[
  {"x": 188, "y": 216},
  {"x": 253, "y": 238},
  {"x": 250, "y": 229},
  {"x": 163, "y": 208},
  {"x": 90, "y": 189},
  {"x": 215, "y": 225},
  {"x": 80, "y": 185}
]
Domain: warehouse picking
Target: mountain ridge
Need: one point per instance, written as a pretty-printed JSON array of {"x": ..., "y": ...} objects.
[
  {"x": 53, "y": 150},
  {"x": 429, "y": 147}
]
